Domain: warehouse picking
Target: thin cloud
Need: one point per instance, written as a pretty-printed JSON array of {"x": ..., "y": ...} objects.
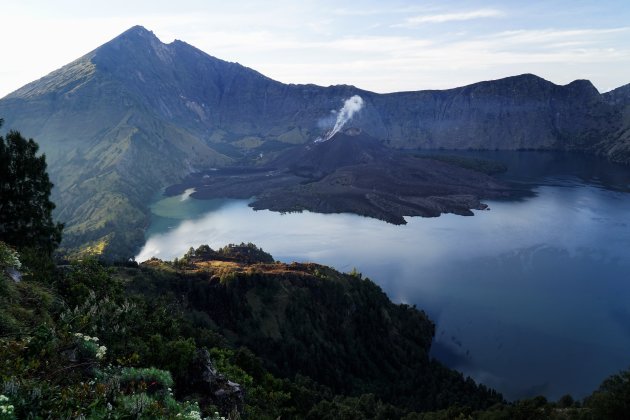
[
  {"x": 381, "y": 11},
  {"x": 267, "y": 41},
  {"x": 370, "y": 62},
  {"x": 547, "y": 36},
  {"x": 452, "y": 17},
  {"x": 352, "y": 45}
]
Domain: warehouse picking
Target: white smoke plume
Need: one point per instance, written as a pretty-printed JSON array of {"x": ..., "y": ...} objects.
[{"x": 350, "y": 107}]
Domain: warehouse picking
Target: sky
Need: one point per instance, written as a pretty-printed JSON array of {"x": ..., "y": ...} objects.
[{"x": 374, "y": 45}]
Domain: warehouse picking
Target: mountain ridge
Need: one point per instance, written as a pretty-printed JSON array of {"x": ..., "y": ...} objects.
[
  {"x": 620, "y": 95},
  {"x": 136, "y": 115}
]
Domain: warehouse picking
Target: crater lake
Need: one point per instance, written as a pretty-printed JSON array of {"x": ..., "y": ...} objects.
[{"x": 530, "y": 297}]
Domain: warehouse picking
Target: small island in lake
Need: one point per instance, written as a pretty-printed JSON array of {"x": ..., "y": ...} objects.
[{"x": 353, "y": 172}]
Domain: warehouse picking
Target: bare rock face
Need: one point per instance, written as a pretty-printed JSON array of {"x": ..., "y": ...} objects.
[
  {"x": 619, "y": 96},
  {"x": 14, "y": 274},
  {"x": 212, "y": 387},
  {"x": 351, "y": 147}
]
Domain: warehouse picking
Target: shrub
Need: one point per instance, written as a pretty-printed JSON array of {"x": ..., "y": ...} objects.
[
  {"x": 612, "y": 399},
  {"x": 6, "y": 408},
  {"x": 152, "y": 379},
  {"x": 9, "y": 258},
  {"x": 88, "y": 347}
]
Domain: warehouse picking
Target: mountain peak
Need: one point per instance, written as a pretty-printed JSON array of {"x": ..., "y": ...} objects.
[
  {"x": 134, "y": 36},
  {"x": 136, "y": 49},
  {"x": 137, "y": 31},
  {"x": 132, "y": 46},
  {"x": 346, "y": 148},
  {"x": 584, "y": 88}
]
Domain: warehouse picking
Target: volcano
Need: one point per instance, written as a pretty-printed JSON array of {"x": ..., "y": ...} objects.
[
  {"x": 352, "y": 172},
  {"x": 136, "y": 115},
  {"x": 348, "y": 148}
]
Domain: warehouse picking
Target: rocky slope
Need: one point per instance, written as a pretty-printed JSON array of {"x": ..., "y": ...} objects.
[
  {"x": 617, "y": 146},
  {"x": 136, "y": 115},
  {"x": 619, "y": 96}
]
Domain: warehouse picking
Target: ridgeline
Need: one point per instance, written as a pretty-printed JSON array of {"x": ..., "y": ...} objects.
[{"x": 137, "y": 115}]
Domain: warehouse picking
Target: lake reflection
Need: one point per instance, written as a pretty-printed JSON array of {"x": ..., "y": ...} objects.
[{"x": 529, "y": 297}]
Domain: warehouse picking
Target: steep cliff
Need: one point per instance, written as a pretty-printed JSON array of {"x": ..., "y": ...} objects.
[{"x": 619, "y": 96}]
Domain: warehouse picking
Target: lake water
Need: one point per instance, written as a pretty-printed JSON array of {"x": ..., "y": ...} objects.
[{"x": 531, "y": 297}]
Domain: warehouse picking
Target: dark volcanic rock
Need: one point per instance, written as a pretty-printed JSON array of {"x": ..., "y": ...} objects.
[
  {"x": 404, "y": 186},
  {"x": 353, "y": 174},
  {"x": 314, "y": 160},
  {"x": 212, "y": 387}
]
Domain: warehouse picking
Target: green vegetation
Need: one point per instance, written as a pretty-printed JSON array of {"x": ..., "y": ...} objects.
[
  {"x": 231, "y": 334},
  {"x": 25, "y": 207},
  {"x": 50, "y": 369},
  {"x": 338, "y": 329},
  {"x": 612, "y": 399},
  {"x": 244, "y": 252},
  {"x": 300, "y": 340}
]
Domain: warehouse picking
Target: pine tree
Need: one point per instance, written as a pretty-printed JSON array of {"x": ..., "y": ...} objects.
[{"x": 25, "y": 206}]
